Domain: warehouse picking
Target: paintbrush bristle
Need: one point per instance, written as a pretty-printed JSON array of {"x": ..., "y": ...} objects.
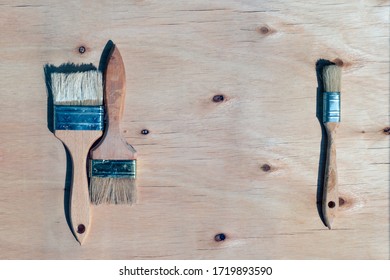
[
  {"x": 80, "y": 88},
  {"x": 113, "y": 190},
  {"x": 331, "y": 76}
]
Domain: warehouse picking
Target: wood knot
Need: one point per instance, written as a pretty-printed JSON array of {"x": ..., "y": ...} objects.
[
  {"x": 144, "y": 131},
  {"x": 264, "y": 30},
  {"x": 341, "y": 63},
  {"x": 218, "y": 98},
  {"x": 347, "y": 202},
  {"x": 82, "y": 49},
  {"x": 386, "y": 130},
  {"x": 338, "y": 62},
  {"x": 266, "y": 167},
  {"x": 219, "y": 237}
]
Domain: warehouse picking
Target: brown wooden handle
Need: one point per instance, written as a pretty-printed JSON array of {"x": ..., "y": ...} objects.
[
  {"x": 113, "y": 145},
  {"x": 78, "y": 144},
  {"x": 330, "y": 198},
  {"x": 114, "y": 90}
]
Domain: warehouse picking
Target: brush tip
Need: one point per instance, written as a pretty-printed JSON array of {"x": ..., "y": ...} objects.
[
  {"x": 79, "y": 88},
  {"x": 331, "y": 76},
  {"x": 113, "y": 190}
]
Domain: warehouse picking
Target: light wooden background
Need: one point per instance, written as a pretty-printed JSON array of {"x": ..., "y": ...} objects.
[{"x": 200, "y": 166}]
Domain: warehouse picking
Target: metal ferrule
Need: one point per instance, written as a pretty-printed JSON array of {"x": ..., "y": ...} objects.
[
  {"x": 78, "y": 117},
  {"x": 113, "y": 168},
  {"x": 331, "y": 107}
]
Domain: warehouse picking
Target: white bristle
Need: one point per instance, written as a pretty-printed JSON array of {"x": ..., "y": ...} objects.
[
  {"x": 331, "y": 76},
  {"x": 113, "y": 190},
  {"x": 81, "y": 88}
]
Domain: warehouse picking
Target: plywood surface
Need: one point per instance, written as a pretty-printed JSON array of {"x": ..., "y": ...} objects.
[{"x": 202, "y": 166}]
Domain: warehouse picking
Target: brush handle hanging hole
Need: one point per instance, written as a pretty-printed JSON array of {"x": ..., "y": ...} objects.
[
  {"x": 144, "y": 131},
  {"x": 80, "y": 229},
  {"x": 331, "y": 204}
]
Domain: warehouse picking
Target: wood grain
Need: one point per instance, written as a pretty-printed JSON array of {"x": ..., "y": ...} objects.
[{"x": 200, "y": 167}]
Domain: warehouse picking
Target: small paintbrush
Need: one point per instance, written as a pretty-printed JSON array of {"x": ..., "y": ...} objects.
[
  {"x": 331, "y": 77},
  {"x": 112, "y": 164},
  {"x": 78, "y": 123}
]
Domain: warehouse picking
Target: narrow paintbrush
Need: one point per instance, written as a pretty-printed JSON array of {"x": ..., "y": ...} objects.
[
  {"x": 331, "y": 118},
  {"x": 78, "y": 123},
  {"x": 113, "y": 162}
]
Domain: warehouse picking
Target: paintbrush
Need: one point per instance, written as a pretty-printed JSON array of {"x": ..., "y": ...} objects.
[
  {"x": 78, "y": 123},
  {"x": 112, "y": 164},
  {"x": 331, "y": 77}
]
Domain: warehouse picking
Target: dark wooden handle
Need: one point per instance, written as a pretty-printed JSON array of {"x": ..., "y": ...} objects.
[
  {"x": 114, "y": 90},
  {"x": 113, "y": 145}
]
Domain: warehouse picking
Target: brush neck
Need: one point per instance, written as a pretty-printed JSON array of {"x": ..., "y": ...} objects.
[
  {"x": 112, "y": 126},
  {"x": 113, "y": 148},
  {"x": 331, "y": 128}
]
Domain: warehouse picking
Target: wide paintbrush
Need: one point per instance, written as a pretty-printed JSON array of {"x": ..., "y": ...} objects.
[{"x": 78, "y": 123}]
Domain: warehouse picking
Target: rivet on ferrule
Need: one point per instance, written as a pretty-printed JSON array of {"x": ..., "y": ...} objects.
[{"x": 331, "y": 107}]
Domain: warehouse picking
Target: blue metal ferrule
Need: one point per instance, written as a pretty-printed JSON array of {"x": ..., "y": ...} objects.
[
  {"x": 78, "y": 117},
  {"x": 113, "y": 168},
  {"x": 331, "y": 107}
]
